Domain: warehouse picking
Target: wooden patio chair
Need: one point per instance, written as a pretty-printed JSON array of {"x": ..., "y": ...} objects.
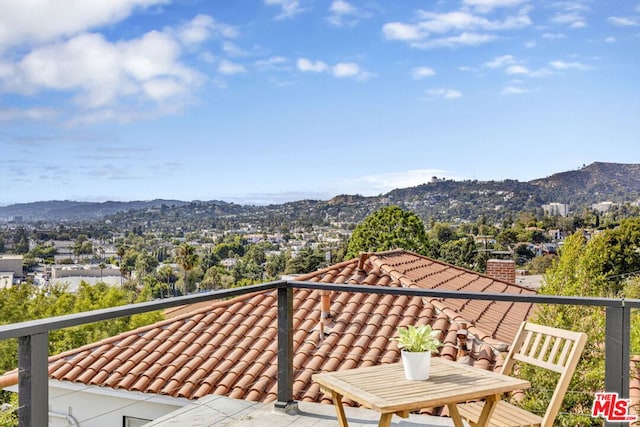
[{"x": 550, "y": 348}]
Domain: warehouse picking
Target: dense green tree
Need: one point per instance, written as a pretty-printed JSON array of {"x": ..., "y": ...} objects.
[
  {"x": 442, "y": 232},
  {"x": 507, "y": 237},
  {"x": 460, "y": 252},
  {"x": 540, "y": 264},
  {"x": 128, "y": 262},
  {"x": 217, "y": 277},
  {"x": 45, "y": 252},
  {"x": 389, "y": 228},
  {"x": 622, "y": 249},
  {"x": 26, "y": 302},
  {"x": 595, "y": 268},
  {"x": 229, "y": 249},
  {"x": 631, "y": 289},
  {"x": 275, "y": 265},
  {"x": 305, "y": 261},
  {"x": 82, "y": 246},
  {"x": 145, "y": 264}
]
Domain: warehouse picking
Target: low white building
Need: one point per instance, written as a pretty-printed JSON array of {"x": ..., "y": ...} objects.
[
  {"x": 10, "y": 269},
  {"x": 561, "y": 209},
  {"x": 6, "y": 279},
  {"x": 73, "y": 404},
  {"x": 602, "y": 207}
]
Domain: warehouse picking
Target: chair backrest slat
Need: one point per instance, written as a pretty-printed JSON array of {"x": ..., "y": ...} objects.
[
  {"x": 545, "y": 347},
  {"x": 535, "y": 348},
  {"x": 550, "y": 348},
  {"x": 556, "y": 347}
]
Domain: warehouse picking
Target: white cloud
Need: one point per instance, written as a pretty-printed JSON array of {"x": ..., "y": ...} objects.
[
  {"x": 530, "y": 45},
  {"x": 100, "y": 72},
  {"x": 43, "y": 21},
  {"x": 288, "y": 8},
  {"x": 624, "y": 21},
  {"x": 403, "y": 32},
  {"x": 514, "y": 67},
  {"x": 272, "y": 63},
  {"x": 514, "y": 90},
  {"x": 339, "y": 70},
  {"x": 500, "y": 61},
  {"x": 343, "y": 14},
  {"x": 231, "y": 49},
  {"x": 466, "y": 68},
  {"x": 553, "y": 36},
  {"x": 562, "y": 65},
  {"x": 542, "y": 72},
  {"x": 341, "y": 7},
  {"x": 305, "y": 65},
  {"x": 570, "y": 5},
  {"x": 464, "y": 39},
  {"x": 466, "y": 28},
  {"x": 202, "y": 28},
  {"x": 345, "y": 69},
  {"x": 11, "y": 114},
  {"x": 207, "y": 57},
  {"x": 610, "y": 39},
  {"x": 421, "y": 72},
  {"x": 103, "y": 78},
  {"x": 484, "y": 6},
  {"x": 229, "y": 68},
  {"x": 517, "y": 69},
  {"x": 464, "y": 21},
  {"x": 574, "y": 19},
  {"x": 444, "y": 93}
]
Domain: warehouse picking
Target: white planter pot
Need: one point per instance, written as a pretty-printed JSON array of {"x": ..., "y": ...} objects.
[{"x": 416, "y": 364}]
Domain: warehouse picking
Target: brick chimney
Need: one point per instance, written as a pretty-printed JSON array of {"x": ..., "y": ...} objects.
[{"x": 502, "y": 269}]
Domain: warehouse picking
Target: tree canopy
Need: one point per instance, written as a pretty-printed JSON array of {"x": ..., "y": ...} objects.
[
  {"x": 602, "y": 266},
  {"x": 389, "y": 228}
]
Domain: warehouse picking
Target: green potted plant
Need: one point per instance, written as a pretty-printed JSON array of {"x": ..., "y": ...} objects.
[{"x": 417, "y": 343}]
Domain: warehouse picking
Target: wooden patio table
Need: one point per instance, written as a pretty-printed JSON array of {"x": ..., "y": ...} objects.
[{"x": 384, "y": 389}]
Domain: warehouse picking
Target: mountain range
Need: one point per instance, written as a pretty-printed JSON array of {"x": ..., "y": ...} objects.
[{"x": 438, "y": 199}]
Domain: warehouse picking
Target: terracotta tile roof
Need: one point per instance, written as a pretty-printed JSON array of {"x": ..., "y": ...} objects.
[{"x": 230, "y": 347}]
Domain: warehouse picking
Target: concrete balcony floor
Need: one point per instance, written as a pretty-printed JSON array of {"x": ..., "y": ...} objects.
[{"x": 221, "y": 411}]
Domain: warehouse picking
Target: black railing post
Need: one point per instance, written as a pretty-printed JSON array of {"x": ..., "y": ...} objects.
[
  {"x": 285, "y": 400},
  {"x": 33, "y": 380},
  {"x": 617, "y": 352}
]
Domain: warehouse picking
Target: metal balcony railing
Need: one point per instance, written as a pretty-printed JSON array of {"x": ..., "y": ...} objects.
[{"x": 33, "y": 335}]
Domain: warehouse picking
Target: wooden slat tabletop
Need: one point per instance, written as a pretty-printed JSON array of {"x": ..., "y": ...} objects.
[{"x": 385, "y": 389}]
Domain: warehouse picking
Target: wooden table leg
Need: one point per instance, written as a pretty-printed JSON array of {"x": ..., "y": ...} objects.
[
  {"x": 455, "y": 415},
  {"x": 487, "y": 410},
  {"x": 385, "y": 420},
  {"x": 337, "y": 402}
]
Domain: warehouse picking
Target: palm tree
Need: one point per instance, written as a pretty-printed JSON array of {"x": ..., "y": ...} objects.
[
  {"x": 187, "y": 258},
  {"x": 101, "y": 266},
  {"x": 166, "y": 273}
]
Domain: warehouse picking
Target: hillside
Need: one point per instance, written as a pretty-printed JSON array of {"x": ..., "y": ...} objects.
[
  {"x": 57, "y": 210},
  {"x": 596, "y": 182},
  {"x": 441, "y": 200}
]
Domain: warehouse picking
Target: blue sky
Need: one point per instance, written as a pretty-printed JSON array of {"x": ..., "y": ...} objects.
[{"x": 258, "y": 101}]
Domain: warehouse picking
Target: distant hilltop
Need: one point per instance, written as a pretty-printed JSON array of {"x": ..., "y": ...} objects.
[
  {"x": 444, "y": 200},
  {"x": 597, "y": 178},
  {"x": 72, "y": 210}
]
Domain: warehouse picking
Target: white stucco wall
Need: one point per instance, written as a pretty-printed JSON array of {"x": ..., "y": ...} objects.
[{"x": 93, "y": 406}]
